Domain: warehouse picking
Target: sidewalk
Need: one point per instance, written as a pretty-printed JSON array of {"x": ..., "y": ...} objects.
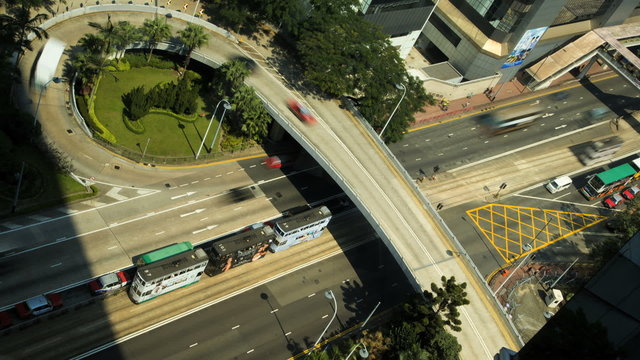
[{"x": 509, "y": 92}]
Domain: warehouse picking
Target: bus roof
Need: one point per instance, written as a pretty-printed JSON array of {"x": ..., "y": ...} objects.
[
  {"x": 615, "y": 174},
  {"x": 166, "y": 252},
  {"x": 304, "y": 218},
  {"x": 243, "y": 240}
]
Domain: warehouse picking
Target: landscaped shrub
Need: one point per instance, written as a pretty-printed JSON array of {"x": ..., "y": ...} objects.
[
  {"x": 94, "y": 123},
  {"x": 136, "y": 127},
  {"x": 137, "y": 103},
  {"x": 140, "y": 60},
  {"x": 115, "y": 65}
]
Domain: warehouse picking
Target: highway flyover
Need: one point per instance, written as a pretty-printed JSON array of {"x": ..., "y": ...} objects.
[{"x": 351, "y": 153}]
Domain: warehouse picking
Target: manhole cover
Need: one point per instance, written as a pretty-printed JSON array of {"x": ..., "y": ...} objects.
[{"x": 69, "y": 131}]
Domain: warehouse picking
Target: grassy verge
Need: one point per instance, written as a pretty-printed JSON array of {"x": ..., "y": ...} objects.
[{"x": 167, "y": 135}]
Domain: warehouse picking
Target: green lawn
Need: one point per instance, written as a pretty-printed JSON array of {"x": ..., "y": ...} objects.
[{"x": 168, "y": 136}]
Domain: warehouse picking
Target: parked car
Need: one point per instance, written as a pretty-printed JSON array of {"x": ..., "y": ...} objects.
[
  {"x": 38, "y": 305},
  {"x": 630, "y": 193},
  {"x": 301, "y": 112},
  {"x": 109, "y": 282},
  {"x": 612, "y": 201}
]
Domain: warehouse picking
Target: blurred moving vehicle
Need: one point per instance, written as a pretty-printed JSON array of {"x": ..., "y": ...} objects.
[
  {"x": 278, "y": 161},
  {"x": 301, "y": 112},
  {"x": 631, "y": 192},
  {"x": 600, "y": 150},
  {"x": 38, "y": 305},
  {"x": 598, "y": 113},
  {"x": 560, "y": 95},
  {"x": 109, "y": 282},
  {"x": 509, "y": 119},
  {"x": 612, "y": 201}
]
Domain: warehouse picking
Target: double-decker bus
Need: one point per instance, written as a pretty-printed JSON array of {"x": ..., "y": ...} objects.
[
  {"x": 606, "y": 182},
  {"x": 301, "y": 227},
  {"x": 510, "y": 119},
  {"x": 237, "y": 249},
  {"x": 167, "y": 269}
]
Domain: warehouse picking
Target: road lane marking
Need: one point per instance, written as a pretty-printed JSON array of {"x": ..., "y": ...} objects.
[
  {"x": 61, "y": 238},
  {"x": 238, "y": 208},
  {"x": 218, "y": 175},
  {"x": 250, "y": 351},
  {"x": 235, "y": 327},
  {"x": 54, "y": 265},
  {"x": 195, "y": 182},
  {"x": 114, "y": 194},
  {"x": 252, "y": 166},
  {"x": 197, "y": 211},
  {"x": 210, "y": 227},
  {"x": 111, "y": 248},
  {"x": 204, "y": 218},
  {"x": 230, "y": 172},
  {"x": 274, "y": 310},
  {"x": 192, "y": 345},
  {"x": 314, "y": 294},
  {"x": 181, "y": 185},
  {"x": 287, "y": 334},
  {"x": 325, "y": 316},
  {"x": 561, "y": 196},
  {"x": 188, "y": 193},
  {"x": 160, "y": 233},
  {"x": 207, "y": 178}
]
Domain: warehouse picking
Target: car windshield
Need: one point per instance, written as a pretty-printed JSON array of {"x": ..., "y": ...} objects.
[{"x": 303, "y": 110}]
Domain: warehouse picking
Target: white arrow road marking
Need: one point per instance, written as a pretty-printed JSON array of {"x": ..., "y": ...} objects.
[
  {"x": 193, "y": 212},
  {"x": 113, "y": 193},
  {"x": 210, "y": 227},
  {"x": 183, "y": 195}
]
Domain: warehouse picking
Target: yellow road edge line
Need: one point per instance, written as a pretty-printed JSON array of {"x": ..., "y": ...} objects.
[{"x": 607, "y": 77}]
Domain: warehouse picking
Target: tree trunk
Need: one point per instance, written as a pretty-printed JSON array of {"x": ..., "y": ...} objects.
[
  {"x": 150, "y": 52},
  {"x": 188, "y": 59}
]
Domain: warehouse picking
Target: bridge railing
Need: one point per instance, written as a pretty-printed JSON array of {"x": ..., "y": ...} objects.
[{"x": 429, "y": 207}]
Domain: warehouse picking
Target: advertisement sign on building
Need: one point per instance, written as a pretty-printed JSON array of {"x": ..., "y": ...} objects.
[{"x": 527, "y": 42}]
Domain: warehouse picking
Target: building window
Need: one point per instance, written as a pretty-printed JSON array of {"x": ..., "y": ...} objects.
[{"x": 445, "y": 30}]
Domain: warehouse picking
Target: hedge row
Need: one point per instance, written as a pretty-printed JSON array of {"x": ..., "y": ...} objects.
[
  {"x": 185, "y": 118},
  {"x": 102, "y": 131},
  {"x": 140, "y": 60},
  {"x": 136, "y": 127}
]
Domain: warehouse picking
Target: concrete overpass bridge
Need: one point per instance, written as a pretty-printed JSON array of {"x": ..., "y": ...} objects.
[
  {"x": 362, "y": 165},
  {"x": 610, "y": 44}
]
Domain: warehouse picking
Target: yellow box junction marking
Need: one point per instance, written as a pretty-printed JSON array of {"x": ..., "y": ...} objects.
[{"x": 510, "y": 228}]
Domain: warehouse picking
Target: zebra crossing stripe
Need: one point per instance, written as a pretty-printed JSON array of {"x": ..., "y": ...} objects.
[
  {"x": 39, "y": 217},
  {"x": 10, "y": 225}
]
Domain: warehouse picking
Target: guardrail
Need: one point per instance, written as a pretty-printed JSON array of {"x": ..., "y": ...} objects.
[{"x": 429, "y": 207}]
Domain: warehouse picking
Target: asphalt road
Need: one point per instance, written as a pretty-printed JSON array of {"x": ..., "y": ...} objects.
[
  {"x": 281, "y": 318},
  {"x": 461, "y": 141},
  {"x": 72, "y": 248}
]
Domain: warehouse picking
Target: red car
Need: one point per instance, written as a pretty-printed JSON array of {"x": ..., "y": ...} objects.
[
  {"x": 630, "y": 193},
  {"x": 612, "y": 201},
  {"x": 301, "y": 112}
]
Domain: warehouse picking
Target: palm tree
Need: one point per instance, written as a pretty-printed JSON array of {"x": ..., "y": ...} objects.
[
  {"x": 108, "y": 34},
  {"x": 193, "y": 37},
  {"x": 92, "y": 43},
  {"x": 125, "y": 34},
  {"x": 155, "y": 30},
  {"x": 18, "y": 24}
]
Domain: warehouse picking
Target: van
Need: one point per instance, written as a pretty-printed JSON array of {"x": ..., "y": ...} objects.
[{"x": 558, "y": 184}]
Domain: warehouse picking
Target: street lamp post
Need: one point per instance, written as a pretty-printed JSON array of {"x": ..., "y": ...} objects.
[
  {"x": 44, "y": 87},
  {"x": 145, "y": 149},
  {"x": 226, "y": 106},
  {"x": 399, "y": 87},
  {"x": 209, "y": 126},
  {"x": 364, "y": 353},
  {"x": 329, "y": 295}
]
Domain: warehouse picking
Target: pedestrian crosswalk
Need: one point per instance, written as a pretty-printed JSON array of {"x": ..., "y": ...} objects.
[{"x": 110, "y": 195}]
